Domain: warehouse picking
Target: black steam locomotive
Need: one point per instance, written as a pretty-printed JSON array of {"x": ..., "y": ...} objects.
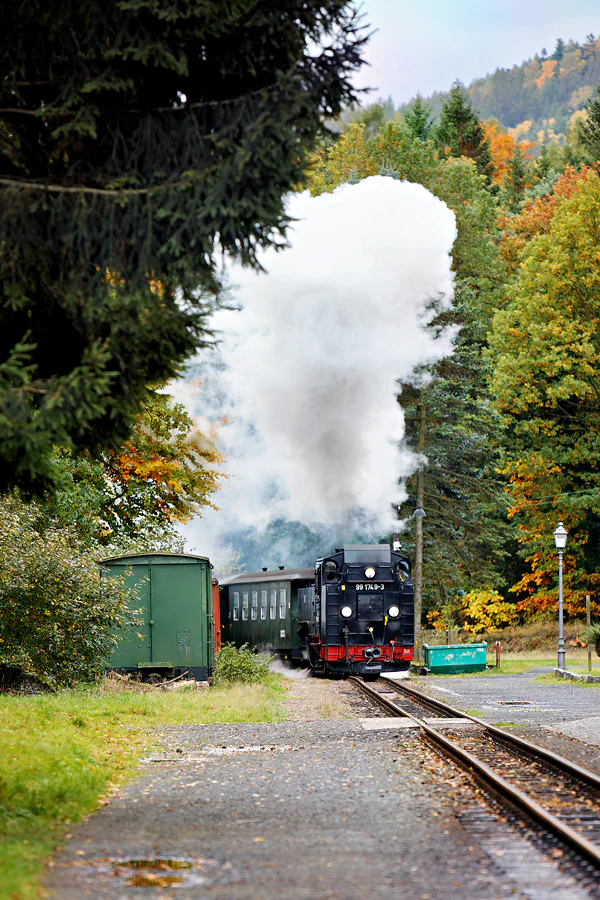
[{"x": 353, "y": 615}]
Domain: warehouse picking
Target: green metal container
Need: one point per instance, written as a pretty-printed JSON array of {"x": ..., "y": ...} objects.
[
  {"x": 175, "y": 596},
  {"x": 449, "y": 660}
]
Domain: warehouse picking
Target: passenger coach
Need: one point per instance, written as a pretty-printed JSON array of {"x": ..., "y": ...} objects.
[{"x": 261, "y": 609}]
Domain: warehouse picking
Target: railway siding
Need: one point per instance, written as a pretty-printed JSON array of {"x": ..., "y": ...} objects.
[{"x": 563, "y": 717}]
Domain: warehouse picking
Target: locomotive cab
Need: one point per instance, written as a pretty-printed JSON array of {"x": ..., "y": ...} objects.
[{"x": 363, "y": 612}]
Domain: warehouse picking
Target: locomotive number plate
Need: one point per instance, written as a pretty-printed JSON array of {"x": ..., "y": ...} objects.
[{"x": 370, "y": 586}]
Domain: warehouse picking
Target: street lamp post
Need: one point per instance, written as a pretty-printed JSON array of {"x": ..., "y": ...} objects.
[
  {"x": 419, "y": 514},
  {"x": 560, "y": 541}
]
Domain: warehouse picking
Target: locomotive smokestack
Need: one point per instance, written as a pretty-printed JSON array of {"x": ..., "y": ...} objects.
[{"x": 264, "y": 568}]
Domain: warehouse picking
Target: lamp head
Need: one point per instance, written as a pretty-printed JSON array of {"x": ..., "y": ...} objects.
[
  {"x": 560, "y": 537},
  {"x": 419, "y": 513}
]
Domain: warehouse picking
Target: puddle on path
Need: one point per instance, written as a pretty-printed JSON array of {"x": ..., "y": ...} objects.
[{"x": 159, "y": 872}]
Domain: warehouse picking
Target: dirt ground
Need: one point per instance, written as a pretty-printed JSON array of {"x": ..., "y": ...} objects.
[{"x": 311, "y": 699}]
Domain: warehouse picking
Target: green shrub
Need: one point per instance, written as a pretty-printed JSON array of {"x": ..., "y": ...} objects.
[
  {"x": 57, "y": 616},
  {"x": 233, "y": 664},
  {"x": 591, "y": 634}
]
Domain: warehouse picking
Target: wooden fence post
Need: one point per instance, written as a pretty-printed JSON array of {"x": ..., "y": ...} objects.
[{"x": 588, "y": 616}]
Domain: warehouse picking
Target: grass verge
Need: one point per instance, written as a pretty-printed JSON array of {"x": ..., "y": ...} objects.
[
  {"x": 554, "y": 679},
  {"x": 61, "y": 754}
]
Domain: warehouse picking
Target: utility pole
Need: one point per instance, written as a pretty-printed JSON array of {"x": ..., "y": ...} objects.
[
  {"x": 419, "y": 540},
  {"x": 588, "y": 618}
]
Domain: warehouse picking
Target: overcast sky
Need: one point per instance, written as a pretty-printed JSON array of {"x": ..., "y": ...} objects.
[{"x": 425, "y": 46}]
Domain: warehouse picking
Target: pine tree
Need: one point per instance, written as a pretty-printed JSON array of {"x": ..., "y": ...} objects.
[
  {"x": 373, "y": 116},
  {"x": 590, "y": 130},
  {"x": 460, "y": 133},
  {"x": 515, "y": 182},
  {"x": 559, "y": 50},
  {"x": 137, "y": 141},
  {"x": 465, "y": 534},
  {"x": 542, "y": 166},
  {"x": 418, "y": 117}
]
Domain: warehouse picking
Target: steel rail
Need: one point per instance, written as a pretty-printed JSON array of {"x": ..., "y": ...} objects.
[
  {"x": 567, "y": 834},
  {"x": 559, "y": 761}
]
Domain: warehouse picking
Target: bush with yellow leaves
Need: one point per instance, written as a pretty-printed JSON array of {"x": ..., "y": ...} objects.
[{"x": 485, "y": 610}]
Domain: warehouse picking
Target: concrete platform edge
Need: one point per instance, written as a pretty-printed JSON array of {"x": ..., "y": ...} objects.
[{"x": 574, "y": 676}]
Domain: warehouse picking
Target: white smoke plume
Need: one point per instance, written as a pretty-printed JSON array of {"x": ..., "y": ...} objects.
[{"x": 307, "y": 368}]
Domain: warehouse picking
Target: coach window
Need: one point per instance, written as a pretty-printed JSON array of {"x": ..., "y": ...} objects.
[
  {"x": 273, "y": 605},
  {"x": 263, "y": 604},
  {"x": 254, "y": 606},
  {"x": 245, "y": 606},
  {"x": 282, "y": 603},
  {"x": 236, "y": 606}
]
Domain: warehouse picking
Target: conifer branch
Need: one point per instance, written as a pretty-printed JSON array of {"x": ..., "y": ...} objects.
[{"x": 64, "y": 189}]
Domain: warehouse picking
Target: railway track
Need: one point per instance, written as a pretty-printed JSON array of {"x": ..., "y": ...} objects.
[{"x": 557, "y": 795}]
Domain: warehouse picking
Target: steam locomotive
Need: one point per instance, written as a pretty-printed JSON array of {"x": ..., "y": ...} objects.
[{"x": 352, "y": 615}]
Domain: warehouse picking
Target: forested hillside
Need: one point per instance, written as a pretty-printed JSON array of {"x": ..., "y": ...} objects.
[
  {"x": 540, "y": 99},
  {"x": 509, "y": 422}
]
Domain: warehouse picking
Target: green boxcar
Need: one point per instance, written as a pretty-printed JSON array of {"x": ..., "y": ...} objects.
[
  {"x": 175, "y": 596},
  {"x": 449, "y": 660}
]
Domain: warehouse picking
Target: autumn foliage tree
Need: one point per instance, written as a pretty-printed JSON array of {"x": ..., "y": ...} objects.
[
  {"x": 535, "y": 217},
  {"x": 136, "y": 496},
  {"x": 163, "y": 476},
  {"x": 546, "y": 350},
  {"x": 501, "y": 146}
]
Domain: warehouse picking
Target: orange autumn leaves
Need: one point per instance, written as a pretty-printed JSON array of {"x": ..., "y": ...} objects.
[
  {"x": 502, "y": 148},
  {"x": 165, "y": 473},
  {"x": 536, "y": 217}
]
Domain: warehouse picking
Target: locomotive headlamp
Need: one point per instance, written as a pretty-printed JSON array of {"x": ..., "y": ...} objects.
[
  {"x": 393, "y": 612},
  {"x": 370, "y": 572},
  {"x": 346, "y": 612}
]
